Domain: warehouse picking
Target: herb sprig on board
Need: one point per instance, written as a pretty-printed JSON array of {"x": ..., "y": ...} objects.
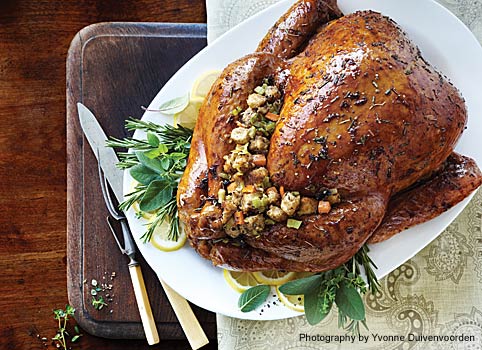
[
  {"x": 342, "y": 286},
  {"x": 157, "y": 164},
  {"x": 62, "y": 336}
]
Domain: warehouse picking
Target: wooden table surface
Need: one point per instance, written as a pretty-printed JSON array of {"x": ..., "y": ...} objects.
[{"x": 34, "y": 39}]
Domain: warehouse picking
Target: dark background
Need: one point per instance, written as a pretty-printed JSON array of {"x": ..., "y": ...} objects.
[{"x": 34, "y": 38}]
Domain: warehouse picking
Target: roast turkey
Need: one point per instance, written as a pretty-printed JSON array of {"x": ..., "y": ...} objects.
[{"x": 363, "y": 115}]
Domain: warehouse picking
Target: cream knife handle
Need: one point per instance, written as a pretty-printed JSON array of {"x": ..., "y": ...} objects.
[
  {"x": 143, "y": 304},
  {"x": 189, "y": 323}
]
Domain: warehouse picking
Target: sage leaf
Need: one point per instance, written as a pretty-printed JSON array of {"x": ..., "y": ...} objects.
[
  {"x": 152, "y": 139},
  {"x": 162, "y": 148},
  {"x": 253, "y": 297},
  {"x": 315, "y": 305},
  {"x": 301, "y": 286},
  {"x": 156, "y": 152},
  {"x": 177, "y": 155},
  {"x": 153, "y": 164},
  {"x": 143, "y": 174},
  {"x": 153, "y": 153},
  {"x": 165, "y": 163},
  {"x": 158, "y": 194},
  {"x": 350, "y": 302},
  {"x": 175, "y": 105}
]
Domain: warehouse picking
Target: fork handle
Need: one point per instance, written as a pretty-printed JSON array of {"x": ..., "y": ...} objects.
[
  {"x": 143, "y": 304},
  {"x": 189, "y": 323}
]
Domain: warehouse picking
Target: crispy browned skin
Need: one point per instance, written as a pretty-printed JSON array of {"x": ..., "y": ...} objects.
[
  {"x": 297, "y": 25},
  {"x": 458, "y": 178},
  {"x": 373, "y": 139},
  {"x": 363, "y": 113}
]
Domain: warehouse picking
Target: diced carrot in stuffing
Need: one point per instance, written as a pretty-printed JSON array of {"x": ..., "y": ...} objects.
[
  {"x": 239, "y": 218},
  {"x": 324, "y": 207},
  {"x": 259, "y": 160},
  {"x": 271, "y": 116},
  {"x": 282, "y": 191},
  {"x": 248, "y": 189}
]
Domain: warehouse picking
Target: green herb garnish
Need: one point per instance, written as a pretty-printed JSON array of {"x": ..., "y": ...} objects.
[
  {"x": 157, "y": 164},
  {"x": 63, "y": 316},
  {"x": 253, "y": 297},
  {"x": 342, "y": 286},
  {"x": 98, "y": 304}
]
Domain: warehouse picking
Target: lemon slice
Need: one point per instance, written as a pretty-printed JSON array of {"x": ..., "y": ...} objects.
[
  {"x": 273, "y": 277},
  {"x": 293, "y": 302},
  {"x": 135, "y": 206},
  {"x": 188, "y": 116},
  {"x": 200, "y": 88},
  {"x": 203, "y": 83},
  {"x": 240, "y": 281},
  {"x": 160, "y": 240}
]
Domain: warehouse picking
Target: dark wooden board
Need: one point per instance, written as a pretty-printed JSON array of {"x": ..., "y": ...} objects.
[{"x": 114, "y": 69}]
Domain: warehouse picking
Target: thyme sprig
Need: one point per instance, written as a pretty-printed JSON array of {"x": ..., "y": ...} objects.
[
  {"x": 62, "y": 336},
  {"x": 157, "y": 164},
  {"x": 98, "y": 304}
]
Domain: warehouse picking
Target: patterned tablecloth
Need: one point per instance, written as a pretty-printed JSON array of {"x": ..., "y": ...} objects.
[{"x": 437, "y": 293}]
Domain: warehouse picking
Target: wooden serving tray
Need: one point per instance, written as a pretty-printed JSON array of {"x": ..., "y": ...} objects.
[{"x": 114, "y": 69}]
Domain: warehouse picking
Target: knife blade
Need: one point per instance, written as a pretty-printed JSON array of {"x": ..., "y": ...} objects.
[
  {"x": 105, "y": 156},
  {"x": 107, "y": 159}
]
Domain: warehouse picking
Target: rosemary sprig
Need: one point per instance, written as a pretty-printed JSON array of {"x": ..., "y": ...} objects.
[
  {"x": 351, "y": 326},
  {"x": 362, "y": 259},
  {"x": 170, "y": 136},
  {"x": 128, "y": 143},
  {"x": 167, "y": 213},
  {"x": 127, "y": 159},
  {"x": 132, "y": 197}
]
